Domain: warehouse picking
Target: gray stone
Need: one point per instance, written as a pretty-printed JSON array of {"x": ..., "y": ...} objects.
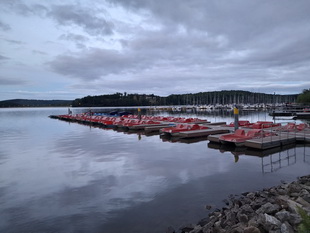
[
  {"x": 231, "y": 217},
  {"x": 294, "y": 219},
  {"x": 203, "y": 222},
  {"x": 197, "y": 229},
  {"x": 207, "y": 228},
  {"x": 271, "y": 223},
  {"x": 275, "y": 231},
  {"x": 246, "y": 209},
  {"x": 238, "y": 228},
  {"x": 282, "y": 201},
  {"x": 292, "y": 206},
  {"x": 242, "y": 218},
  {"x": 272, "y": 210},
  {"x": 254, "y": 221},
  {"x": 251, "y": 195},
  {"x": 286, "y": 228},
  {"x": 170, "y": 230},
  {"x": 305, "y": 195},
  {"x": 283, "y": 215},
  {"x": 304, "y": 203},
  {"x": 281, "y": 191},
  {"x": 294, "y": 188},
  {"x": 187, "y": 228},
  {"x": 307, "y": 187},
  {"x": 268, "y": 208},
  {"x": 251, "y": 229}
]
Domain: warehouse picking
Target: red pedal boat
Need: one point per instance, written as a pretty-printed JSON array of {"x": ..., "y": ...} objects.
[
  {"x": 264, "y": 124},
  {"x": 173, "y": 131},
  {"x": 241, "y": 124},
  {"x": 240, "y": 136}
]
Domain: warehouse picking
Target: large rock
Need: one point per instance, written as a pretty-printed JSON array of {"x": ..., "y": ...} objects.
[
  {"x": 286, "y": 228},
  {"x": 268, "y": 208},
  {"x": 271, "y": 223}
]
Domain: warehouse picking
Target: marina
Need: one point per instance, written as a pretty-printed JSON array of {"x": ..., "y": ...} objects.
[{"x": 264, "y": 134}]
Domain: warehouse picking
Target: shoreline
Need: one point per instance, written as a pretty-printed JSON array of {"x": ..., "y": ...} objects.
[{"x": 275, "y": 209}]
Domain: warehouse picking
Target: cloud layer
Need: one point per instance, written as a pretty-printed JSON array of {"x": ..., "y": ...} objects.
[{"x": 160, "y": 47}]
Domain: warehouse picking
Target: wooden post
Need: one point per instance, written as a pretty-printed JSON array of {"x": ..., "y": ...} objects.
[{"x": 236, "y": 114}]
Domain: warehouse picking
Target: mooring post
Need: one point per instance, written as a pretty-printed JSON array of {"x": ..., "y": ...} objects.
[
  {"x": 139, "y": 113},
  {"x": 236, "y": 114}
]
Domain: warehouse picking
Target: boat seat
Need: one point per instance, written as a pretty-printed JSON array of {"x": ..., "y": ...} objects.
[
  {"x": 253, "y": 133},
  {"x": 240, "y": 132}
]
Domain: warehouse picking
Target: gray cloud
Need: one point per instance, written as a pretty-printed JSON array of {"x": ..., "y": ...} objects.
[
  {"x": 95, "y": 63},
  {"x": 12, "y": 41},
  {"x": 3, "y": 58},
  {"x": 178, "y": 46},
  {"x": 79, "y": 40},
  {"x": 66, "y": 15},
  {"x": 21, "y": 8},
  {"x": 236, "y": 19},
  {"x": 73, "y": 37},
  {"x": 39, "y": 52},
  {"x": 4, "y": 26},
  {"x": 81, "y": 16},
  {"x": 10, "y": 81}
]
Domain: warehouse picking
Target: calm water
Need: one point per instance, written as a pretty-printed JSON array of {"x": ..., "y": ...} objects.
[{"x": 57, "y": 176}]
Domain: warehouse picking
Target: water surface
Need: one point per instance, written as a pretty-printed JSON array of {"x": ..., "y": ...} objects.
[{"x": 57, "y": 176}]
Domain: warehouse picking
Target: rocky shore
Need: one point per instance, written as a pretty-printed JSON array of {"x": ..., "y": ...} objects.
[{"x": 275, "y": 210}]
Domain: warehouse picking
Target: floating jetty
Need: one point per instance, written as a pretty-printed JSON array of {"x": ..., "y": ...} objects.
[
  {"x": 280, "y": 136},
  {"x": 203, "y": 132}
]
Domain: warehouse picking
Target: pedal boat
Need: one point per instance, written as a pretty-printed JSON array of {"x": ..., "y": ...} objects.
[
  {"x": 240, "y": 136},
  {"x": 175, "y": 130}
]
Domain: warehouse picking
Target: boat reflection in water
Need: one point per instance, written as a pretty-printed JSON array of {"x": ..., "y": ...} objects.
[{"x": 273, "y": 159}]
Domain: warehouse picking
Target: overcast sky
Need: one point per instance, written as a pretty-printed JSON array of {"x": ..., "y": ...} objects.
[{"x": 74, "y": 48}]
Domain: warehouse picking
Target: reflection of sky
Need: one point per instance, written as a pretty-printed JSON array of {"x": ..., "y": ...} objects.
[{"x": 66, "y": 169}]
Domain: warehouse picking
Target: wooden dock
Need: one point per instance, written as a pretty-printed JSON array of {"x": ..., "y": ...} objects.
[
  {"x": 202, "y": 132},
  {"x": 212, "y": 134},
  {"x": 142, "y": 127},
  {"x": 156, "y": 128},
  {"x": 270, "y": 142},
  {"x": 215, "y": 138}
]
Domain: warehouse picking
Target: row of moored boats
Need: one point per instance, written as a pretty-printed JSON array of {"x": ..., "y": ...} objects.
[{"x": 173, "y": 126}]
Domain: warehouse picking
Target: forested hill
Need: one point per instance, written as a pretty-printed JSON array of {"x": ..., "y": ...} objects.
[
  {"x": 215, "y": 97},
  {"x": 124, "y": 99},
  {"x": 34, "y": 103}
]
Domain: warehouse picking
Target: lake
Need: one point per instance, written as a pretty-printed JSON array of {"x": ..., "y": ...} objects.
[{"x": 63, "y": 177}]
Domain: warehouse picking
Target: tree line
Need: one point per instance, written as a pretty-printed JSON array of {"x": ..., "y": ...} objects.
[
  {"x": 201, "y": 98},
  {"x": 304, "y": 97},
  {"x": 13, "y": 103}
]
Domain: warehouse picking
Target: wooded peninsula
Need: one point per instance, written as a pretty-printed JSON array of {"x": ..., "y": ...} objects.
[{"x": 201, "y": 98}]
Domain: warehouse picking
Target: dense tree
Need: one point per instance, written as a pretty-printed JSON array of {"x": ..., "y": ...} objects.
[
  {"x": 201, "y": 98},
  {"x": 304, "y": 97},
  {"x": 34, "y": 103}
]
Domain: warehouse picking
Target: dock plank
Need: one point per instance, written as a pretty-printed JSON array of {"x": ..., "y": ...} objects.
[
  {"x": 138, "y": 127},
  {"x": 202, "y": 132},
  {"x": 215, "y": 123},
  {"x": 270, "y": 142},
  {"x": 157, "y": 127}
]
